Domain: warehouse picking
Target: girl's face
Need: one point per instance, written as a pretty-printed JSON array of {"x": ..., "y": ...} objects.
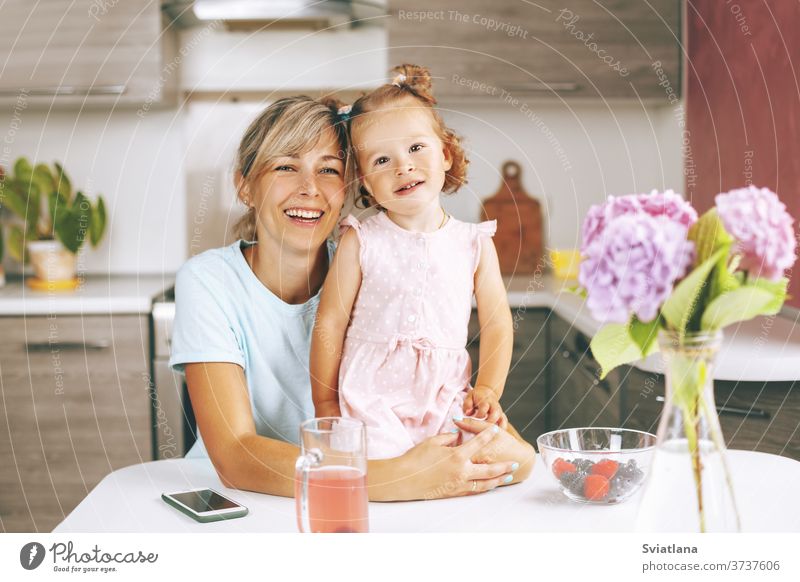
[
  {"x": 402, "y": 162},
  {"x": 299, "y": 198}
]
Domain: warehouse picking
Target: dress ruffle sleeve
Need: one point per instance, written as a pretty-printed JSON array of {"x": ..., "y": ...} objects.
[
  {"x": 351, "y": 221},
  {"x": 486, "y": 229}
]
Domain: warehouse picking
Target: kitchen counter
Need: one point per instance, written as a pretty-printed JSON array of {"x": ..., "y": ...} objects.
[
  {"x": 129, "y": 500},
  {"x": 762, "y": 349},
  {"x": 99, "y": 294}
]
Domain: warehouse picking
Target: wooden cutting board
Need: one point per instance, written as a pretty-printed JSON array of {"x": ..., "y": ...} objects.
[{"x": 519, "y": 224}]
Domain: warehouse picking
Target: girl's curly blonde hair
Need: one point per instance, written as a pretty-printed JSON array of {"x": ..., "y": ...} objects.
[{"x": 411, "y": 81}]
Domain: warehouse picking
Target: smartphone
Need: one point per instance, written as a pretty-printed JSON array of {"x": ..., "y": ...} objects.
[{"x": 205, "y": 505}]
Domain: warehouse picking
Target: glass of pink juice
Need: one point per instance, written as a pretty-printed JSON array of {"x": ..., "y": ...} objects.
[{"x": 331, "y": 477}]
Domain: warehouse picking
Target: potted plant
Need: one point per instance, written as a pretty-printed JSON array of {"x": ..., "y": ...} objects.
[{"x": 51, "y": 223}]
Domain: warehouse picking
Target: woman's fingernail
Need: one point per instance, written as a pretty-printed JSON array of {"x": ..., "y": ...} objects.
[
  {"x": 458, "y": 417},
  {"x": 514, "y": 467},
  {"x": 495, "y": 429},
  {"x": 508, "y": 479},
  {"x": 453, "y": 430}
]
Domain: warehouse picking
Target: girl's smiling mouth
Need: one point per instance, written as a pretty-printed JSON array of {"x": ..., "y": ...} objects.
[
  {"x": 409, "y": 187},
  {"x": 304, "y": 216}
]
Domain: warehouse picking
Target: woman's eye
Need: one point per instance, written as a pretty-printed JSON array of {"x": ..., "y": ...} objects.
[
  {"x": 284, "y": 169},
  {"x": 381, "y": 160},
  {"x": 416, "y": 147},
  {"x": 333, "y": 171}
]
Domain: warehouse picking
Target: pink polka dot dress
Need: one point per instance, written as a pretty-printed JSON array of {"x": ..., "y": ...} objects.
[{"x": 405, "y": 369}]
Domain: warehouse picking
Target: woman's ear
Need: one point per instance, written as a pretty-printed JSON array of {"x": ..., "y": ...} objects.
[{"x": 242, "y": 191}]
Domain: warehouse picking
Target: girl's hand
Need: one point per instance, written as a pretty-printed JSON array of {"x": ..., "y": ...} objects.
[
  {"x": 483, "y": 402},
  {"x": 436, "y": 469},
  {"x": 506, "y": 446}
]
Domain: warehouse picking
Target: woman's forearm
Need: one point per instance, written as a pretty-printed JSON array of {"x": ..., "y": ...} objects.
[{"x": 257, "y": 463}]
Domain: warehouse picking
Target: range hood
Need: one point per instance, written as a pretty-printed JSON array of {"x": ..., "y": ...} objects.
[{"x": 315, "y": 14}]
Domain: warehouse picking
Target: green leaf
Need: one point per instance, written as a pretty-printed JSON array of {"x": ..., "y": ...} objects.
[
  {"x": 72, "y": 226},
  {"x": 709, "y": 235},
  {"x": 679, "y": 307},
  {"x": 43, "y": 178},
  {"x": 744, "y": 303},
  {"x": 97, "y": 225},
  {"x": 2, "y": 244},
  {"x": 613, "y": 346},
  {"x": 62, "y": 182},
  {"x": 13, "y": 196},
  {"x": 23, "y": 170},
  {"x": 644, "y": 334},
  {"x": 16, "y": 244}
]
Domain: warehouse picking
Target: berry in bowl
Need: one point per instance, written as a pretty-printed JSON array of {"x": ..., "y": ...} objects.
[{"x": 597, "y": 465}]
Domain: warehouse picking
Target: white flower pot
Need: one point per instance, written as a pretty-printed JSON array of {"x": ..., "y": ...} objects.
[{"x": 51, "y": 261}]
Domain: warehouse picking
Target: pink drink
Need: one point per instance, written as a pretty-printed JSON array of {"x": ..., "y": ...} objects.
[{"x": 337, "y": 500}]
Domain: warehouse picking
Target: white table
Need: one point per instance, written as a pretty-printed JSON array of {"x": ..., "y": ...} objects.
[{"x": 129, "y": 500}]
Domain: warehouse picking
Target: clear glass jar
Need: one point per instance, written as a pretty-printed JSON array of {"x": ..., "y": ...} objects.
[{"x": 689, "y": 488}]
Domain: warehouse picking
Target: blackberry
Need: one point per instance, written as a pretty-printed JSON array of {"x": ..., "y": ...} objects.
[
  {"x": 583, "y": 465},
  {"x": 573, "y": 482}
]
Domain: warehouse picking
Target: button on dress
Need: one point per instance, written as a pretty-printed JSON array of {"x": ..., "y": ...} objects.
[{"x": 405, "y": 369}]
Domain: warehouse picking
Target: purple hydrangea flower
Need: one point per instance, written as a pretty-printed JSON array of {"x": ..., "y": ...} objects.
[
  {"x": 656, "y": 203},
  {"x": 632, "y": 268},
  {"x": 762, "y": 227}
]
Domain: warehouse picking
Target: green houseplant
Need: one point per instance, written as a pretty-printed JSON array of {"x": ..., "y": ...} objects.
[{"x": 50, "y": 222}]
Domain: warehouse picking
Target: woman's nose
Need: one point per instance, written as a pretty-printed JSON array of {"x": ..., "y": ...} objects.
[{"x": 308, "y": 186}]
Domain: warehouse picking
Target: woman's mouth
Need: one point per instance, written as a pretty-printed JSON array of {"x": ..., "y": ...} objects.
[
  {"x": 409, "y": 188},
  {"x": 304, "y": 216}
]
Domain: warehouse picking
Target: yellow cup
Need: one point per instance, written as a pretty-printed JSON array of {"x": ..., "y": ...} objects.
[{"x": 565, "y": 262}]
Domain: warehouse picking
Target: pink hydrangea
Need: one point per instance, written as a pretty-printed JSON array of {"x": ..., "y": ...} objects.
[
  {"x": 667, "y": 203},
  {"x": 632, "y": 268},
  {"x": 762, "y": 228}
]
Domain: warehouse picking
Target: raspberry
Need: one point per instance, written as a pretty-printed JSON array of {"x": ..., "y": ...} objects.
[
  {"x": 561, "y": 466},
  {"x": 607, "y": 468},
  {"x": 595, "y": 487}
]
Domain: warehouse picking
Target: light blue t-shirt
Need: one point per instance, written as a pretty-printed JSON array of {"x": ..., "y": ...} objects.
[{"x": 223, "y": 313}]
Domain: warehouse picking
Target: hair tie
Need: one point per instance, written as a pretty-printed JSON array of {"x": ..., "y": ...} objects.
[
  {"x": 344, "y": 112},
  {"x": 400, "y": 78}
]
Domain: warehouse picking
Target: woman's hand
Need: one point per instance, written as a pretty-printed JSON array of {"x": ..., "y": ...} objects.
[
  {"x": 507, "y": 446},
  {"x": 435, "y": 469},
  {"x": 483, "y": 402}
]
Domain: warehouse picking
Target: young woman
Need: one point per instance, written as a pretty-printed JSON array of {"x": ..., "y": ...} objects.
[{"x": 245, "y": 313}]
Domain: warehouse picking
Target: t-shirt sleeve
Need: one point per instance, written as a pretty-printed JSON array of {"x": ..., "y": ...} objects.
[{"x": 202, "y": 331}]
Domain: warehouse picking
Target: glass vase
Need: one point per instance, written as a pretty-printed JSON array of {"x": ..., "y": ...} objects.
[{"x": 689, "y": 487}]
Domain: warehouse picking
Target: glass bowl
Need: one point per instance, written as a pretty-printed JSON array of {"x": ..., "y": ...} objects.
[{"x": 597, "y": 465}]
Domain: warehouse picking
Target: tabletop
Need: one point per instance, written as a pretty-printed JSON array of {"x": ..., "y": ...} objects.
[{"x": 129, "y": 500}]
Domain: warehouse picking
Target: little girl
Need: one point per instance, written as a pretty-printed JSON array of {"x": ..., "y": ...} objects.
[{"x": 389, "y": 344}]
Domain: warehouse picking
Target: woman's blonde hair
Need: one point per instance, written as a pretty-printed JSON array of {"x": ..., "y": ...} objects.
[
  {"x": 289, "y": 127},
  {"x": 415, "y": 82}
]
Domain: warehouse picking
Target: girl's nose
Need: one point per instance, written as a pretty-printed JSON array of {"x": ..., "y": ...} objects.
[{"x": 404, "y": 167}]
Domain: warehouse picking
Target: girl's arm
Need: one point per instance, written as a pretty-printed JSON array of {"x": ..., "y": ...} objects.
[
  {"x": 336, "y": 303},
  {"x": 245, "y": 460},
  {"x": 494, "y": 317}
]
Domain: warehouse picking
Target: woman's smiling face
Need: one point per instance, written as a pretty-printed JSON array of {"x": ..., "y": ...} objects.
[{"x": 300, "y": 197}]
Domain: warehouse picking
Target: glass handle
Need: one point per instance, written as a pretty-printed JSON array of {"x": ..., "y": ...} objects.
[{"x": 304, "y": 463}]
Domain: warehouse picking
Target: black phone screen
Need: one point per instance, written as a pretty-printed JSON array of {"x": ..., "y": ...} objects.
[{"x": 204, "y": 500}]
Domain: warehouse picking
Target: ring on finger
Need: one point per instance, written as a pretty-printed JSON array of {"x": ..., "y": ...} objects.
[{"x": 474, "y": 485}]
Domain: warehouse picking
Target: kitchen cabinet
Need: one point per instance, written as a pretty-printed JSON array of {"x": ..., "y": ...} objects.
[
  {"x": 75, "y": 407},
  {"x": 511, "y": 48},
  {"x": 579, "y": 397},
  {"x": 754, "y": 416},
  {"x": 83, "y": 52},
  {"x": 524, "y": 397}
]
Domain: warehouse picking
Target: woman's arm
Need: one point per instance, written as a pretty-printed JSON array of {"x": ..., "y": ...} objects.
[
  {"x": 496, "y": 331},
  {"x": 333, "y": 316},
  {"x": 242, "y": 458},
  {"x": 245, "y": 460}
]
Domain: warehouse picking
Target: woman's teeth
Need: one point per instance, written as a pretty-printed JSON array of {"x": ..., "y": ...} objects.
[{"x": 303, "y": 214}]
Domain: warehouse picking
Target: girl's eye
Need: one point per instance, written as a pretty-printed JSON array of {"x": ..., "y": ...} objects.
[
  {"x": 416, "y": 147},
  {"x": 333, "y": 171},
  {"x": 381, "y": 160}
]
